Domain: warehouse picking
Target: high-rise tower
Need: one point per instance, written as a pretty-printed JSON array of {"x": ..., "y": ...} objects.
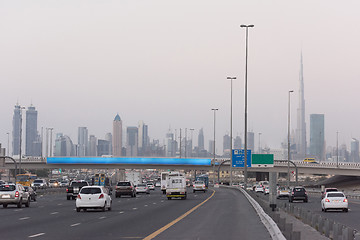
[
  {"x": 16, "y": 130},
  {"x": 31, "y": 131},
  {"x": 83, "y": 141},
  {"x": 117, "y": 136},
  {"x": 301, "y": 125}
]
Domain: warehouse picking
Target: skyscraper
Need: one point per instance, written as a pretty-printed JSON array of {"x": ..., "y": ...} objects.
[
  {"x": 63, "y": 146},
  {"x": 117, "y": 136},
  {"x": 237, "y": 143},
  {"x": 226, "y": 145},
  {"x": 92, "y": 146},
  {"x": 201, "y": 139},
  {"x": 16, "y": 130},
  {"x": 83, "y": 141},
  {"x": 142, "y": 138},
  {"x": 301, "y": 125},
  {"x": 354, "y": 154},
  {"x": 31, "y": 130},
  {"x": 132, "y": 141},
  {"x": 251, "y": 141},
  {"x": 317, "y": 139},
  {"x": 108, "y": 137}
]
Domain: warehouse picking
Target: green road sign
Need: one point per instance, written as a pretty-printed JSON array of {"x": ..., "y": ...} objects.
[{"x": 262, "y": 160}]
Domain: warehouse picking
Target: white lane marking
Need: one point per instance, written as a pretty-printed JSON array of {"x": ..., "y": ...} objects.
[
  {"x": 162, "y": 200},
  {"x": 121, "y": 212},
  {"x": 75, "y": 224},
  {"x": 102, "y": 217},
  {"x": 17, "y": 210},
  {"x": 134, "y": 208},
  {"x": 54, "y": 213},
  {"x": 24, "y": 218},
  {"x": 74, "y": 209},
  {"x": 59, "y": 204},
  {"x": 119, "y": 201},
  {"x": 154, "y": 202},
  {"x": 36, "y": 235},
  {"x": 145, "y": 205}
]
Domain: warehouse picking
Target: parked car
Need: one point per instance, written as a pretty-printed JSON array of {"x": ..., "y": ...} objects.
[
  {"x": 14, "y": 194},
  {"x": 282, "y": 192},
  {"x": 125, "y": 188},
  {"x": 32, "y": 193},
  {"x": 334, "y": 201},
  {"x": 142, "y": 188},
  {"x": 326, "y": 190},
  {"x": 298, "y": 193},
  {"x": 39, "y": 183},
  {"x": 199, "y": 186},
  {"x": 94, "y": 197},
  {"x": 259, "y": 188}
]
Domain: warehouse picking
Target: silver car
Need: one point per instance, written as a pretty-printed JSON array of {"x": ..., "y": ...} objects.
[
  {"x": 14, "y": 194},
  {"x": 142, "y": 188}
]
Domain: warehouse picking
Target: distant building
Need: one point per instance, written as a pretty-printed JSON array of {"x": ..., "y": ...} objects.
[
  {"x": 301, "y": 145},
  {"x": 226, "y": 145},
  {"x": 117, "y": 136},
  {"x": 354, "y": 154},
  {"x": 251, "y": 141},
  {"x": 108, "y": 137},
  {"x": 16, "y": 130},
  {"x": 103, "y": 148},
  {"x": 132, "y": 141},
  {"x": 237, "y": 143},
  {"x": 83, "y": 142},
  {"x": 201, "y": 139},
  {"x": 31, "y": 133},
  {"x": 317, "y": 139},
  {"x": 211, "y": 147},
  {"x": 92, "y": 146},
  {"x": 143, "y": 138},
  {"x": 63, "y": 146},
  {"x": 170, "y": 145}
]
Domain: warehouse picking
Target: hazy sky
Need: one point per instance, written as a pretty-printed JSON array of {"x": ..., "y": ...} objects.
[{"x": 166, "y": 63}]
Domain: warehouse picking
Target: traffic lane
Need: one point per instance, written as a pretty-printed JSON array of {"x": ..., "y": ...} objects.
[
  {"x": 227, "y": 215},
  {"x": 146, "y": 212},
  {"x": 55, "y": 213}
]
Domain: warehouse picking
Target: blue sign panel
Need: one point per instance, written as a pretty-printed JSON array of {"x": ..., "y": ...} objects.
[
  {"x": 238, "y": 158},
  {"x": 128, "y": 160}
]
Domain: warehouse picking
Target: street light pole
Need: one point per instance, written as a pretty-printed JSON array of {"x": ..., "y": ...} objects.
[
  {"x": 246, "y": 66},
  {"x": 214, "y": 109},
  {"x": 259, "y": 143},
  {"x": 191, "y": 129},
  {"x": 337, "y": 149},
  {"x": 231, "y": 118},
  {"x": 185, "y": 141},
  {"x": 51, "y": 129},
  {"x": 288, "y": 182}
]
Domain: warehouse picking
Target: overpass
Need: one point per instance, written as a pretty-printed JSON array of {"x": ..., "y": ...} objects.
[{"x": 345, "y": 169}]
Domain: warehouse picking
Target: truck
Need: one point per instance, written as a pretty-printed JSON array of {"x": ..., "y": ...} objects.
[
  {"x": 100, "y": 179},
  {"x": 164, "y": 180},
  {"x": 176, "y": 186},
  {"x": 134, "y": 177},
  {"x": 73, "y": 190}
]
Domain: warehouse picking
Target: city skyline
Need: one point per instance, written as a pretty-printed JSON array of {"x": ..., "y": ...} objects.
[{"x": 125, "y": 58}]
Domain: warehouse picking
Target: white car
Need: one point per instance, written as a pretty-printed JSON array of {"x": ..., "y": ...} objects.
[
  {"x": 266, "y": 190},
  {"x": 259, "y": 188},
  {"x": 334, "y": 200},
  {"x": 151, "y": 186},
  {"x": 94, "y": 197},
  {"x": 199, "y": 186}
]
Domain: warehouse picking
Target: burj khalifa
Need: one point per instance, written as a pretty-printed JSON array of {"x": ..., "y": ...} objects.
[{"x": 301, "y": 125}]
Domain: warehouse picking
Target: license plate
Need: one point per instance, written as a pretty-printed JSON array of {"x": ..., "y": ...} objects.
[{"x": 5, "y": 196}]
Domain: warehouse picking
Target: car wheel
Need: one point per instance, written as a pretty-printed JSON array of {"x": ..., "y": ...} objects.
[
  {"x": 325, "y": 210},
  {"x": 34, "y": 199},
  {"x": 27, "y": 204},
  {"x": 4, "y": 205},
  {"x": 109, "y": 207},
  {"x": 85, "y": 209},
  {"x": 67, "y": 197},
  {"x": 346, "y": 209},
  {"x": 103, "y": 208},
  {"x": 193, "y": 191},
  {"x": 305, "y": 200},
  {"x": 169, "y": 198},
  {"x": 19, "y": 205},
  {"x": 78, "y": 209}
]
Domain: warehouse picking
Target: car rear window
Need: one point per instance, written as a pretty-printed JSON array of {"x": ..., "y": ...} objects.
[
  {"x": 79, "y": 184},
  {"x": 142, "y": 185},
  {"x": 95, "y": 190},
  {"x": 38, "y": 181},
  {"x": 299, "y": 190},
  {"x": 335, "y": 195},
  {"x": 123, "y": 184},
  {"x": 7, "y": 188},
  {"x": 199, "y": 182},
  {"x": 331, "y": 190}
]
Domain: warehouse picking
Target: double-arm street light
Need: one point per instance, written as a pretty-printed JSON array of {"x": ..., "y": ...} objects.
[
  {"x": 246, "y": 66},
  {"x": 214, "y": 109},
  {"x": 231, "y": 137},
  {"x": 288, "y": 182}
]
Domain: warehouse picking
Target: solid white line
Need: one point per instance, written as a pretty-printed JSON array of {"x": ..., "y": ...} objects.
[
  {"x": 54, "y": 213},
  {"x": 24, "y": 218},
  {"x": 36, "y": 235},
  {"x": 75, "y": 224}
]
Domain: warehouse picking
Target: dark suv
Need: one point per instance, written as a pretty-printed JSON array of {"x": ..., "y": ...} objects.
[
  {"x": 298, "y": 193},
  {"x": 125, "y": 188}
]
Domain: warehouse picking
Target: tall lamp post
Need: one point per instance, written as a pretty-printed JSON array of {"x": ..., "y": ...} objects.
[
  {"x": 231, "y": 137},
  {"x": 337, "y": 149},
  {"x": 288, "y": 182},
  {"x": 214, "y": 109},
  {"x": 245, "y": 137},
  {"x": 260, "y": 143}
]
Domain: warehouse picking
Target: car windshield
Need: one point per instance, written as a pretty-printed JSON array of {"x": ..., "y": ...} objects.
[
  {"x": 92, "y": 190},
  {"x": 123, "y": 184},
  {"x": 38, "y": 181},
  {"x": 331, "y": 190},
  {"x": 335, "y": 195},
  {"x": 7, "y": 188}
]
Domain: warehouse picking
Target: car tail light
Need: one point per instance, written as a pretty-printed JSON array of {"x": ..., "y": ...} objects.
[
  {"x": 327, "y": 200},
  {"x": 130, "y": 187},
  {"x": 345, "y": 200},
  {"x": 193, "y": 185},
  {"x": 16, "y": 194},
  {"x": 78, "y": 196},
  {"x": 101, "y": 196},
  {"x": 182, "y": 193},
  {"x": 204, "y": 185},
  {"x": 67, "y": 190}
]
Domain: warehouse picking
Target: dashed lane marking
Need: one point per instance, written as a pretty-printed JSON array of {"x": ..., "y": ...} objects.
[
  {"x": 121, "y": 212},
  {"x": 75, "y": 224},
  {"x": 53, "y": 213},
  {"x": 102, "y": 217},
  {"x": 24, "y": 218},
  {"x": 17, "y": 210},
  {"x": 145, "y": 205},
  {"x": 134, "y": 208},
  {"x": 36, "y": 235}
]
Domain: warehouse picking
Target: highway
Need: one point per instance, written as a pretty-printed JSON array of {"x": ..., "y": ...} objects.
[{"x": 226, "y": 214}]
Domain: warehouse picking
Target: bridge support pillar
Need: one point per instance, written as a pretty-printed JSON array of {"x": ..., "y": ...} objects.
[{"x": 262, "y": 176}]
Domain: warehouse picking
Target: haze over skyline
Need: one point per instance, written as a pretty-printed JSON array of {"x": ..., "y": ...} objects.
[{"x": 82, "y": 62}]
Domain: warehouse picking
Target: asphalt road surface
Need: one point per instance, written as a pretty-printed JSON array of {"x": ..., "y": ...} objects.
[{"x": 225, "y": 215}]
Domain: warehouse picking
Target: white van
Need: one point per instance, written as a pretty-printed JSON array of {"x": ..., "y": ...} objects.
[{"x": 176, "y": 187}]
